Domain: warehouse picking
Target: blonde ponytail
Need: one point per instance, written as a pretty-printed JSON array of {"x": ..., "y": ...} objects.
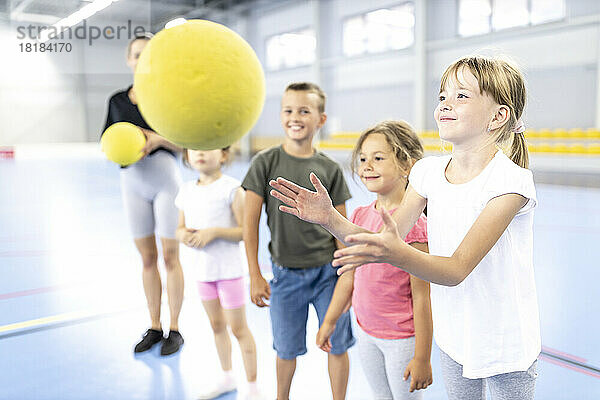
[{"x": 518, "y": 150}]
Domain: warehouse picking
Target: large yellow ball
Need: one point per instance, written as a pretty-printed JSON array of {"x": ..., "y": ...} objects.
[
  {"x": 123, "y": 142},
  {"x": 199, "y": 85}
]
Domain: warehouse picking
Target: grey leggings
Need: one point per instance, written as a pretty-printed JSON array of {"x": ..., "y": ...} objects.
[
  {"x": 384, "y": 362},
  {"x": 149, "y": 188},
  {"x": 519, "y": 385}
]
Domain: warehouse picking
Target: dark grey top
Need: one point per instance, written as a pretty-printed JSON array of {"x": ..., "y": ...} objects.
[{"x": 295, "y": 243}]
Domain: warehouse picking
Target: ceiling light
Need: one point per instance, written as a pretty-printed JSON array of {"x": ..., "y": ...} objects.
[{"x": 175, "y": 22}]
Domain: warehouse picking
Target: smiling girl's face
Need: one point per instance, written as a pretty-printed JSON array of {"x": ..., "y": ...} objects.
[
  {"x": 378, "y": 168},
  {"x": 464, "y": 114}
]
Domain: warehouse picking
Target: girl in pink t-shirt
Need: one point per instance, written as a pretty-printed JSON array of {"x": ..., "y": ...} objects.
[{"x": 392, "y": 308}]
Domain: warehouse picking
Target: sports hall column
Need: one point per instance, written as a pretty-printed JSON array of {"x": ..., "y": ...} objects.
[
  {"x": 316, "y": 66},
  {"x": 316, "y": 23},
  {"x": 245, "y": 29},
  {"x": 420, "y": 60},
  {"x": 597, "y": 125}
]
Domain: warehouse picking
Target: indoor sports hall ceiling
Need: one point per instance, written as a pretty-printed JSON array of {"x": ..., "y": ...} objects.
[{"x": 159, "y": 11}]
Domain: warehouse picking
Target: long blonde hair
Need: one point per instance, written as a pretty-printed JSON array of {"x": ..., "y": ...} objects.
[{"x": 506, "y": 85}]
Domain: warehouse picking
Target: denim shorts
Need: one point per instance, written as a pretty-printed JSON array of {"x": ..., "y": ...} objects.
[{"x": 292, "y": 290}]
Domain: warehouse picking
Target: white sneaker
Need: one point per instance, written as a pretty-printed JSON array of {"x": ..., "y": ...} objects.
[
  {"x": 225, "y": 386},
  {"x": 252, "y": 393},
  {"x": 254, "y": 396}
]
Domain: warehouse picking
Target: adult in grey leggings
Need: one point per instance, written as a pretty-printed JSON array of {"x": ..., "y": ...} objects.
[{"x": 149, "y": 188}]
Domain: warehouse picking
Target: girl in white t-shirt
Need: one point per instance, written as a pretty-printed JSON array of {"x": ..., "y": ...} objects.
[
  {"x": 210, "y": 227},
  {"x": 480, "y": 229}
]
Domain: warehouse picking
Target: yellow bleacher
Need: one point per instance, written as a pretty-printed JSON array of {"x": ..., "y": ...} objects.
[
  {"x": 581, "y": 142},
  {"x": 576, "y": 141}
]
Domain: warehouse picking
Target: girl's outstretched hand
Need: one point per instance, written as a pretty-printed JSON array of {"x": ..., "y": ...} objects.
[
  {"x": 365, "y": 248},
  {"x": 315, "y": 207}
]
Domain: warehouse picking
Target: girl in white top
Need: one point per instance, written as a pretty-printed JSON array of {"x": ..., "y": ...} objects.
[
  {"x": 210, "y": 218},
  {"x": 480, "y": 226}
]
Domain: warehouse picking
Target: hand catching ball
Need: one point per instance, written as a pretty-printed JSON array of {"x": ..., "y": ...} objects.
[{"x": 122, "y": 143}]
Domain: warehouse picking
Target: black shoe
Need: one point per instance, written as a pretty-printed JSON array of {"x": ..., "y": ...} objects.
[
  {"x": 171, "y": 343},
  {"x": 151, "y": 337}
]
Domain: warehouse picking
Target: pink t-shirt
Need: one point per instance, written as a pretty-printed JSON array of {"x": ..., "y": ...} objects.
[{"x": 382, "y": 298}]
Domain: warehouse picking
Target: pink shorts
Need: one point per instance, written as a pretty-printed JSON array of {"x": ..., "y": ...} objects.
[{"x": 230, "y": 292}]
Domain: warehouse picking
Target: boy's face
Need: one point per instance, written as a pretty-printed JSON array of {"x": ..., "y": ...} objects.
[{"x": 300, "y": 116}]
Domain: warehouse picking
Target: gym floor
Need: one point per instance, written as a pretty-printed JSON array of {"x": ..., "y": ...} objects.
[{"x": 72, "y": 304}]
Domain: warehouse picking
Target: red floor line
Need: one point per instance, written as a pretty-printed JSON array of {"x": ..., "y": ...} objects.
[
  {"x": 24, "y": 253},
  {"x": 30, "y": 292},
  {"x": 12, "y": 239},
  {"x": 42, "y": 253},
  {"x": 563, "y": 354},
  {"x": 561, "y": 228},
  {"x": 569, "y": 366}
]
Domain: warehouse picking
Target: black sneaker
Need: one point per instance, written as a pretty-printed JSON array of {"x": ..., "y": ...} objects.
[
  {"x": 151, "y": 337},
  {"x": 171, "y": 343}
]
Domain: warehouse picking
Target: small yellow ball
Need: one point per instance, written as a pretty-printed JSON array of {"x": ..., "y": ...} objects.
[
  {"x": 200, "y": 85},
  {"x": 122, "y": 143}
]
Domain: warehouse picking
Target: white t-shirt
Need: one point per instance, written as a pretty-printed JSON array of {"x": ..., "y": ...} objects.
[
  {"x": 207, "y": 206},
  {"x": 489, "y": 323}
]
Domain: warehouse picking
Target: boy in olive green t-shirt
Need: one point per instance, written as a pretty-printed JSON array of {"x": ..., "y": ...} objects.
[{"x": 301, "y": 252}]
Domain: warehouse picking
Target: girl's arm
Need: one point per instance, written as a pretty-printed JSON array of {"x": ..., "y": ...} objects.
[
  {"x": 340, "y": 303},
  {"x": 419, "y": 368},
  {"x": 237, "y": 207},
  {"x": 341, "y": 209},
  {"x": 202, "y": 237},
  {"x": 316, "y": 207},
  {"x": 386, "y": 246},
  {"x": 182, "y": 233},
  {"x": 181, "y": 229}
]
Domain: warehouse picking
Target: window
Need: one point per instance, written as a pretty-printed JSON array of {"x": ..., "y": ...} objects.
[
  {"x": 292, "y": 49},
  {"x": 509, "y": 14},
  {"x": 476, "y": 17},
  {"x": 380, "y": 30},
  {"x": 547, "y": 10}
]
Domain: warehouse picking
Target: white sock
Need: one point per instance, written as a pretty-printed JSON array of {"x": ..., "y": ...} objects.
[
  {"x": 225, "y": 384},
  {"x": 228, "y": 377},
  {"x": 252, "y": 388}
]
